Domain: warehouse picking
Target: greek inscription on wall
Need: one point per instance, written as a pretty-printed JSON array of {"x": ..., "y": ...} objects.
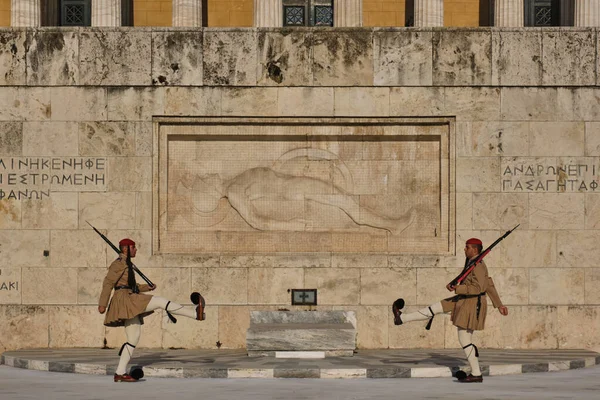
[
  {"x": 36, "y": 177},
  {"x": 550, "y": 175},
  {"x": 10, "y": 285}
]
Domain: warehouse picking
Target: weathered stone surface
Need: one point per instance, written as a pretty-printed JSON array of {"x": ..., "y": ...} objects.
[
  {"x": 177, "y": 58},
  {"x": 12, "y": 57},
  {"x": 135, "y": 103},
  {"x": 234, "y": 321},
  {"x": 246, "y": 261},
  {"x": 10, "y": 285},
  {"x": 431, "y": 285},
  {"x": 108, "y": 138},
  {"x": 10, "y": 214},
  {"x": 192, "y": 101},
  {"x": 25, "y": 327},
  {"x": 32, "y": 104},
  {"x": 537, "y": 104},
  {"x": 569, "y": 57},
  {"x": 499, "y": 210},
  {"x": 464, "y": 211},
  {"x": 77, "y": 104},
  {"x": 402, "y": 58},
  {"x": 350, "y": 260},
  {"x": 53, "y": 58},
  {"x": 58, "y": 211},
  {"x": 362, "y": 101},
  {"x": 472, "y": 104},
  {"x": 303, "y": 260},
  {"x": 285, "y": 57},
  {"x": 192, "y": 334},
  {"x": 250, "y": 101},
  {"x": 592, "y": 279},
  {"x": 221, "y": 285},
  {"x": 77, "y": 248},
  {"x": 577, "y": 327},
  {"x": 143, "y": 210},
  {"x": 49, "y": 286},
  {"x": 303, "y": 317},
  {"x": 50, "y": 139},
  {"x": 334, "y": 285},
  {"x": 271, "y": 285},
  {"x": 554, "y": 286},
  {"x": 230, "y": 57},
  {"x": 462, "y": 57},
  {"x": 89, "y": 284},
  {"x": 517, "y": 57},
  {"x": 416, "y": 101},
  {"x": 11, "y": 139},
  {"x": 382, "y": 286},
  {"x": 75, "y": 326},
  {"x": 494, "y": 138},
  {"x": 120, "y": 57},
  {"x": 305, "y": 102},
  {"x": 592, "y": 139},
  {"x": 413, "y": 335},
  {"x": 108, "y": 210},
  {"x": 512, "y": 285},
  {"x": 586, "y": 103},
  {"x": 557, "y": 138},
  {"x": 343, "y": 59},
  {"x": 130, "y": 174},
  {"x": 556, "y": 211},
  {"x": 478, "y": 174},
  {"x": 515, "y": 251},
  {"x": 578, "y": 248},
  {"x": 174, "y": 283},
  {"x": 24, "y": 247}
]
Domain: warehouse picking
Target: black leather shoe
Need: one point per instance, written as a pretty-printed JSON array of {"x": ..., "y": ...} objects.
[
  {"x": 472, "y": 379},
  {"x": 396, "y": 307}
]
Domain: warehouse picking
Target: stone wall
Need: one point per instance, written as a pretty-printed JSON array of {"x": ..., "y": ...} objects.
[{"x": 82, "y": 107}]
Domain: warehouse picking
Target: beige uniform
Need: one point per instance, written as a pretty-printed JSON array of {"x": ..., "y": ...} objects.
[{"x": 124, "y": 304}]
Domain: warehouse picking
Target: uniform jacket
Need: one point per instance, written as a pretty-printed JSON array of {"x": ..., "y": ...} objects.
[{"x": 124, "y": 304}]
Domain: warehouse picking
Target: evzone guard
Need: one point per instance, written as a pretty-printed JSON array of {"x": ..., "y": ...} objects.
[
  {"x": 468, "y": 307},
  {"x": 129, "y": 306}
]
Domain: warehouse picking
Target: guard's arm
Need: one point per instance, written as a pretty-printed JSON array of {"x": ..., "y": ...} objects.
[
  {"x": 112, "y": 276},
  {"x": 477, "y": 284}
]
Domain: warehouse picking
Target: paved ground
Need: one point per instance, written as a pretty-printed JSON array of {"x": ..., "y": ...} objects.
[
  {"x": 426, "y": 363},
  {"x": 581, "y": 384}
]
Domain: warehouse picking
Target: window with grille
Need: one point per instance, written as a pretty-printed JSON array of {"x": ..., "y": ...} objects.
[
  {"x": 75, "y": 13},
  {"x": 307, "y": 13}
]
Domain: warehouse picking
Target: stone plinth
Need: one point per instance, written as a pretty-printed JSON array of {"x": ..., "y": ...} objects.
[{"x": 330, "y": 332}]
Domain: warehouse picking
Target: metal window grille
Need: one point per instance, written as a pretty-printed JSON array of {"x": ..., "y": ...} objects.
[
  {"x": 75, "y": 13},
  {"x": 294, "y": 16},
  {"x": 543, "y": 15},
  {"x": 323, "y": 16},
  {"x": 308, "y": 12}
]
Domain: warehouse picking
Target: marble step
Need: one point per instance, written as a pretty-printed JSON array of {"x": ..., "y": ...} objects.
[{"x": 300, "y": 337}]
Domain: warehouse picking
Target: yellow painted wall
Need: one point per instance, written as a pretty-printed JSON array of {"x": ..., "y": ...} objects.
[
  {"x": 461, "y": 12},
  {"x": 4, "y": 12},
  {"x": 152, "y": 13},
  {"x": 383, "y": 13},
  {"x": 230, "y": 13}
]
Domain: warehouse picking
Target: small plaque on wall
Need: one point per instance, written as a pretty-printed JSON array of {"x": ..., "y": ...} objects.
[{"x": 304, "y": 297}]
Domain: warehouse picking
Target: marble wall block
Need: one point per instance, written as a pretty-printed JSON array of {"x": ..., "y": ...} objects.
[
  {"x": 416, "y": 101},
  {"x": 24, "y": 327},
  {"x": 592, "y": 280},
  {"x": 586, "y": 103},
  {"x": 344, "y": 59},
  {"x": 555, "y": 286},
  {"x": 349, "y": 260},
  {"x": 89, "y": 284},
  {"x": 517, "y": 57},
  {"x": 556, "y": 211},
  {"x": 221, "y": 286},
  {"x": 431, "y": 285},
  {"x": 592, "y": 139},
  {"x": 11, "y": 139},
  {"x": 234, "y": 321},
  {"x": 230, "y": 57},
  {"x": 75, "y": 326},
  {"x": 284, "y": 57},
  {"x": 477, "y": 174},
  {"x": 152, "y": 333},
  {"x": 249, "y": 101},
  {"x": 53, "y": 58},
  {"x": 557, "y": 138},
  {"x": 500, "y": 210},
  {"x": 108, "y": 138},
  {"x": 10, "y": 285},
  {"x": 578, "y": 249},
  {"x": 24, "y": 247},
  {"x": 413, "y": 335},
  {"x": 464, "y": 211},
  {"x": 32, "y": 104},
  {"x": 177, "y": 58},
  {"x": 512, "y": 285},
  {"x": 10, "y": 214},
  {"x": 130, "y": 174},
  {"x": 247, "y": 261},
  {"x": 592, "y": 211},
  {"x": 10, "y": 104},
  {"x": 536, "y": 104},
  {"x": 135, "y": 103},
  {"x": 108, "y": 210},
  {"x": 362, "y": 102},
  {"x": 58, "y": 211},
  {"x": 50, "y": 139},
  {"x": 303, "y": 260},
  {"x": 120, "y": 57},
  {"x": 382, "y": 286},
  {"x": 522, "y": 249},
  {"x": 143, "y": 210},
  {"x": 12, "y": 57},
  {"x": 193, "y": 101},
  {"x": 462, "y": 57},
  {"x": 335, "y": 286},
  {"x": 192, "y": 334},
  {"x": 77, "y": 248},
  {"x": 271, "y": 285},
  {"x": 78, "y": 103},
  {"x": 402, "y": 58},
  {"x": 49, "y": 285},
  {"x": 472, "y": 104},
  {"x": 577, "y": 327},
  {"x": 569, "y": 57},
  {"x": 494, "y": 138},
  {"x": 305, "y": 102},
  {"x": 372, "y": 327},
  {"x": 174, "y": 283}
]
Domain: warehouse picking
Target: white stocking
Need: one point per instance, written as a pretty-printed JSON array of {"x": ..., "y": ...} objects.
[
  {"x": 176, "y": 309},
  {"x": 133, "y": 330},
  {"x": 423, "y": 313},
  {"x": 465, "y": 338}
]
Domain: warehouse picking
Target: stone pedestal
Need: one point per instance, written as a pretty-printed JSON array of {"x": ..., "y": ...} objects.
[
  {"x": 587, "y": 13},
  {"x": 25, "y": 13},
  {"x": 268, "y": 13},
  {"x": 509, "y": 13},
  {"x": 187, "y": 13},
  {"x": 429, "y": 12},
  {"x": 329, "y": 333},
  {"x": 106, "y": 13},
  {"x": 347, "y": 13}
]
